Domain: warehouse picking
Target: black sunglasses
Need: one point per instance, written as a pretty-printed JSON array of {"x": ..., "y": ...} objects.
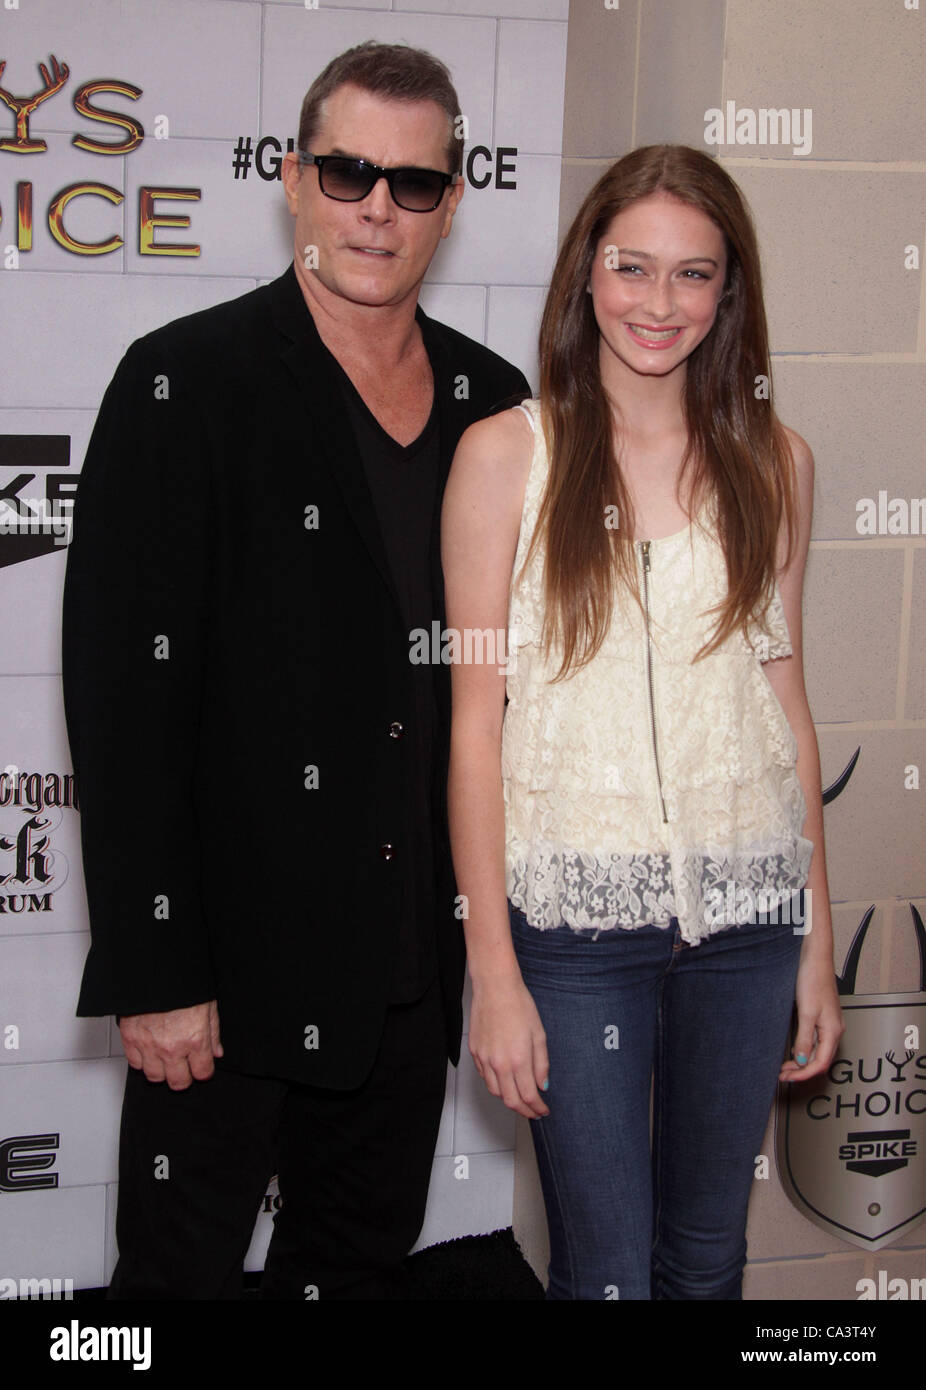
[{"x": 350, "y": 180}]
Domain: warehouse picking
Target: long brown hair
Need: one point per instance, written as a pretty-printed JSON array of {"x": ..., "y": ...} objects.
[{"x": 737, "y": 450}]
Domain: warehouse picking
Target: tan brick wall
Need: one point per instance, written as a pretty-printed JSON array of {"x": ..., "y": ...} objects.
[{"x": 848, "y": 329}]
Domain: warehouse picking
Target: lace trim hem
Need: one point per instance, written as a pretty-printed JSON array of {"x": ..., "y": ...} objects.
[{"x": 706, "y": 892}]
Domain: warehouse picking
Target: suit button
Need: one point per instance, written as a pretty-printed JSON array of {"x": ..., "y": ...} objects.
[
  {"x": 396, "y": 730},
  {"x": 387, "y": 851}
]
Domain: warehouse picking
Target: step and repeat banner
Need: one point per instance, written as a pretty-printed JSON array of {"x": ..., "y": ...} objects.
[{"x": 140, "y": 153}]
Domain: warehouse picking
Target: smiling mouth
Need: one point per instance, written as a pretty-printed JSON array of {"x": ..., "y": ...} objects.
[
  {"x": 653, "y": 335},
  {"x": 372, "y": 251}
]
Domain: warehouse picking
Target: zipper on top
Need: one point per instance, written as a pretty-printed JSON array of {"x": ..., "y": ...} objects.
[{"x": 644, "y": 551}]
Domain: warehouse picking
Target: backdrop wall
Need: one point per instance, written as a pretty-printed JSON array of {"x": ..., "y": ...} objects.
[{"x": 196, "y": 86}]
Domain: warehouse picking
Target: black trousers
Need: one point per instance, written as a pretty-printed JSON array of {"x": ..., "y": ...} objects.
[{"x": 353, "y": 1169}]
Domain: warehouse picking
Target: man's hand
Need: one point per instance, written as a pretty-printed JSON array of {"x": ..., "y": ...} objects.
[{"x": 176, "y": 1047}]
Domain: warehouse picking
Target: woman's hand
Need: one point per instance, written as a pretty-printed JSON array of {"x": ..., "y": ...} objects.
[
  {"x": 508, "y": 1044},
  {"x": 819, "y": 1019}
]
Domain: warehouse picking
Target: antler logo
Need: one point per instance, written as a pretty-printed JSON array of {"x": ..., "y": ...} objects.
[
  {"x": 23, "y": 107},
  {"x": 899, "y": 1066}
]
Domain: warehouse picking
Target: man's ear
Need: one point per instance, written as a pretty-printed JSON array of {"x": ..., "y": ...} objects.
[
  {"x": 291, "y": 174},
  {"x": 453, "y": 199}
]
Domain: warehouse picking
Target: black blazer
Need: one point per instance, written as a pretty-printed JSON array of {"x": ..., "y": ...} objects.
[{"x": 216, "y": 649}]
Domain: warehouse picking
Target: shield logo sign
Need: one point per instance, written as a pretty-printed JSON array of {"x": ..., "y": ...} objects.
[{"x": 851, "y": 1143}]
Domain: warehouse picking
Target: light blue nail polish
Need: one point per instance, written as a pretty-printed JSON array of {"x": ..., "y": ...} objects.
[
  {"x": 546, "y": 1085},
  {"x": 801, "y": 1059}
]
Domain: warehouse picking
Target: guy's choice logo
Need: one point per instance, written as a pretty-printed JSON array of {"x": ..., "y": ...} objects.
[
  {"x": 851, "y": 1143},
  {"x": 17, "y": 197}
]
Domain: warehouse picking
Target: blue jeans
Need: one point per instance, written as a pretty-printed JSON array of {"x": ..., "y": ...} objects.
[{"x": 708, "y": 1024}]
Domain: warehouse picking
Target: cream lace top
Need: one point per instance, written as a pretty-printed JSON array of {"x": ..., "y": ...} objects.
[{"x": 642, "y": 786}]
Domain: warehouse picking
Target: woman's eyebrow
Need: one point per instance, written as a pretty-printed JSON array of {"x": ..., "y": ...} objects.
[{"x": 647, "y": 256}]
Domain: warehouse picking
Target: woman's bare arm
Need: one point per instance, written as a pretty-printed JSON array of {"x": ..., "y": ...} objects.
[
  {"x": 479, "y": 535},
  {"x": 820, "y": 1023}
]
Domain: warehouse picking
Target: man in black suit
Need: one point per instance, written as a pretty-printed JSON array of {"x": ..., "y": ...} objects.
[{"x": 261, "y": 766}]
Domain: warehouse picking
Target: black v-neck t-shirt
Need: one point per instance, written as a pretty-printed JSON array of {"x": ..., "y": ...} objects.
[{"x": 403, "y": 484}]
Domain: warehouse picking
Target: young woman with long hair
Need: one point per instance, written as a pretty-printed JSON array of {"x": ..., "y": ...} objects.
[{"x": 638, "y": 836}]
